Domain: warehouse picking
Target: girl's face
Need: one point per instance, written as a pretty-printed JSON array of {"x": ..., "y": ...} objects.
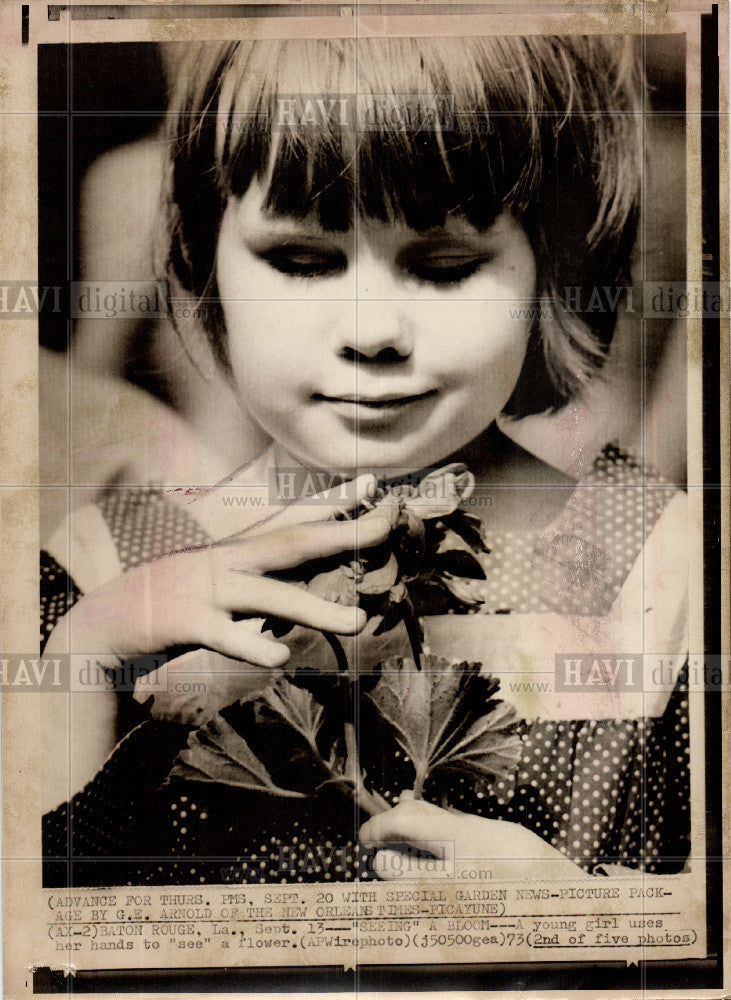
[{"x": 378, "y": 348}]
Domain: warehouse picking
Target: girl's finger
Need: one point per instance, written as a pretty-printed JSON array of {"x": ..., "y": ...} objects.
[
  {"x": 319, "y": 507},
  {"x": 415, "y": 824},
  {"x": 258, "y": 595},
  {"x": 239, "y": 641},
  {"x": 390, "y": 864},
  {"x": 286, "y": 547},
  {"x": 338, "y": 499}
]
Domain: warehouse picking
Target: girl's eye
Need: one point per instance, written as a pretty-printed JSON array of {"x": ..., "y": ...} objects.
[
  {"x": 445, "y": 270},
  {"x": 302, "y": 262}
]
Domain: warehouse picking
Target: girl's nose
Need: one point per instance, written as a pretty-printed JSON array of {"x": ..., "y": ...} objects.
[{"x": 380, "y": 334}]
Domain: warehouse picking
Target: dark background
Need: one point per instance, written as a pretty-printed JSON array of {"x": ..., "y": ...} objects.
[{"x": 91, "y": 98}]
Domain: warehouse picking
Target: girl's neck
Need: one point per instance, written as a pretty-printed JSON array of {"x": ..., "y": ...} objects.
[
  {"x": 514, "y": 490},
  {"x": 495, "y": 458}
]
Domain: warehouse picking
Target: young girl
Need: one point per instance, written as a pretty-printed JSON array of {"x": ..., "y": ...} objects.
[{"x": 382, "y": 237}]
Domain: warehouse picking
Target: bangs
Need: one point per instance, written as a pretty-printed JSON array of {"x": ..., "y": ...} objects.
[
  {"x": 414, "y": 130},
  {"x": 393, "y": 129}
]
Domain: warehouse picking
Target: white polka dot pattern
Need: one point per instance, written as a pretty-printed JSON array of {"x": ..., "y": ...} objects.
[
  {"x": 579, "y": 564},
  {"x": 58, "y": 593},
  {"x": 145, "y": 525},
  {"x": 602, "y": 791}
]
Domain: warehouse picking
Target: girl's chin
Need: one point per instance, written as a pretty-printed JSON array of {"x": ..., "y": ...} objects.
[
  {"x": 386, "y": 461},
  {"x": 326, "y": 447}
]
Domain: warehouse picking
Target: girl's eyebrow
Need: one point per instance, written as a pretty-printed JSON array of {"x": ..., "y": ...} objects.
[
  {"x": 441, "y": 239},
  {"x": 283, "y": 228},
  {"x": 445, "y": 238},
  {"x": 268, "y": 226},
  {"x": 266, "y": 236}
]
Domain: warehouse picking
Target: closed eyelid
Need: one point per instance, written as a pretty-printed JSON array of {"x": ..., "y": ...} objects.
[
  {"x": 443, "y": 261},
  {"x": 304, "y": 261},
  {"x": 445, "y": 245},
  {"x": 445, "y": 258},
  {"x": 301, "y": 248},
  {"x": 259, "y": 231}
]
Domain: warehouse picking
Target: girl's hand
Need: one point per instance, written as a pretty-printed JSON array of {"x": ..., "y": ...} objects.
[
  {"x": 471, "y": 842},
  {"x": 189, "y": 599}
]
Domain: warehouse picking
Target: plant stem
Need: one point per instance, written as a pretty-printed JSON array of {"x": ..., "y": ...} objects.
[
  {"x": 413, "y": 630},
  {"x": 351, "y": 751},
  {"x": 355, "y": 789},
  {"x": 418, "y": 788},
  {"x": 337, "y": 648},
  {"x": 363, "y": 799},
  {"x": 345, "y": 690}
]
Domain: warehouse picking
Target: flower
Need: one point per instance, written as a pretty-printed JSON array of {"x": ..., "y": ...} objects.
[
  {"x": 431, "y": 563},
  {"x": 443, "y": 714},
  {"x": 436, "y": 545}
]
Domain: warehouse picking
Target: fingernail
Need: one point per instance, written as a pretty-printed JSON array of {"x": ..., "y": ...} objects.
[
  {"x": 375, "y": 523},
  {"x": 353, "y": 619},
  {"x": 365, "y": 485},
  {"x": 280, "y": 657}
]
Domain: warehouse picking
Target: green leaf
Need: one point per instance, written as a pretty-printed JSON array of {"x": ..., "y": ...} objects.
[
  {"x": 297, "y": 707},
  {"x": 217, "y": 753},
  {"x": 489, "y": 748},
  {"x": 432, "y": 597},
  {"x": 453, "y": 540},
  {"x": 469, "y": 527},
  {"x": 403, "y": 697},
  {"x": 466, "y": 591},
  {"x": 459, "y": 562},
  {"x": 444, "y": 715},
  {"x": 393, "y": 610}
]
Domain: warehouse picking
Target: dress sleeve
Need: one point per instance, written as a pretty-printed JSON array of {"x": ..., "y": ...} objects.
[
  {"x": 59, "y": 593},
  {"x": 106, "y": 834}
]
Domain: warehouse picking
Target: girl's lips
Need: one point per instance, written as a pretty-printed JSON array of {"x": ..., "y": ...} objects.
[
  {"x": 390, "y": 402},
  {"x": 377, "y": 413}
]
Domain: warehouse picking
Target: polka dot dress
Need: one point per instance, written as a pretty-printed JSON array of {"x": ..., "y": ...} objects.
[
  {"x": 603, "y": 791},
  {"x": 579, "y": 564},
  {"x": 58, "y": 594},
  {"x": 146, "y": 525}
]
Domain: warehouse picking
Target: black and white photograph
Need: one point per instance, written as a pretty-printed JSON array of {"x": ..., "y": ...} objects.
[{"x": 379, "y": 498}]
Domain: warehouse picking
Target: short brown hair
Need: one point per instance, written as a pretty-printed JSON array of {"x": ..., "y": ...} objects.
[{"x": 548, "y": 128}]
